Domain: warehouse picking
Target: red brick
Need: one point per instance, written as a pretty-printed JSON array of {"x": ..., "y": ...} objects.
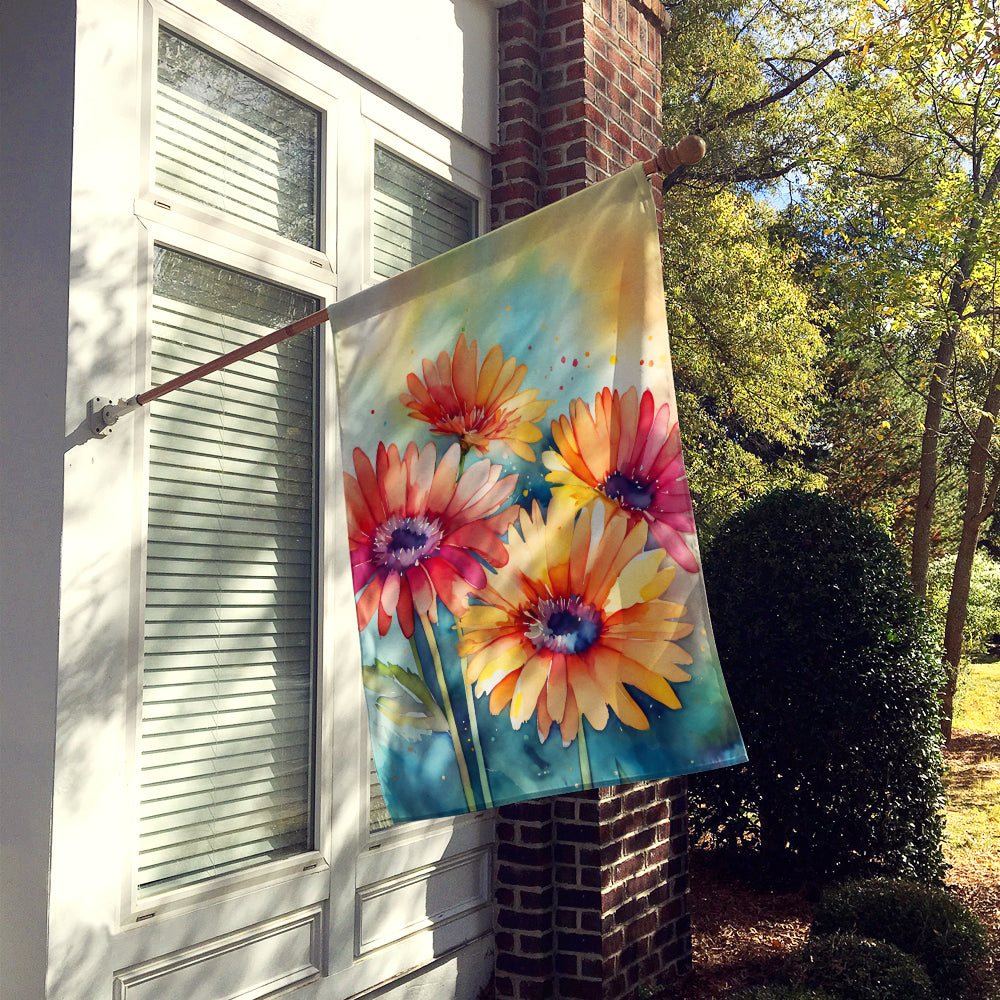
[
  {"x": 520, "y": 111},
  {"x": 521, "y": 90},
  {"x": 517, "y": 49},
  {"x": 529, "y": 899},
  {"x": 569, "y": 93},
  {"x": 522, "y": 170},
  {"x": 514, "y": 875},
  {"x": 569, "y": 52},
  {"x": 588, "y": 944},
  {"x": 570, "y": 132},
  {"x": 521, "y": 965},
  {"x": 567, "y": 964},
  {"x": 567, "y": 175},
  {"x": 573, "y": 988},
  {"x": 570, "y": 14},
  {"x": 518, "y": 920}
]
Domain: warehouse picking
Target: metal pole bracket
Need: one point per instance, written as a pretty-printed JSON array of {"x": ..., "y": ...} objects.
[{"x": 103, "y": 413}]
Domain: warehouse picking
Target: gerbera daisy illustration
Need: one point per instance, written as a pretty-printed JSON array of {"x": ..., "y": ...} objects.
[
  {"x": 416, "y": 528},
  {"x": 574, "y": 617},
  {"x": 477, "y": 404},
  {"x": 627, "y": 454}
]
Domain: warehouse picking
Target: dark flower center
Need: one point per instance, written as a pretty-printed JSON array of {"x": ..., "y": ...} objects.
[
  {"x": 401, "y": 542},
  {"x": 563, "y": 625},
  {"x": 632, "y": 494},
  {"x": 405, "y": 537}
]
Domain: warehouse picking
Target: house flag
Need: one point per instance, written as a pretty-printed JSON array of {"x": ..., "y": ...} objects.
[{"x": 530, "y": 604}]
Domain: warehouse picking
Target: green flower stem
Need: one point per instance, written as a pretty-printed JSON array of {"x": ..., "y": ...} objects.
[
  {"x": 470, "y": 702},
  {"x": 416, "y": 659},
  {"x": 449, "y": 712},
  {"x": 581, "y": 739}
]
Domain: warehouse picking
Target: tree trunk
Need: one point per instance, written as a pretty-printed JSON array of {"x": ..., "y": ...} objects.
[
  {"x": 920, "y": 553},
  {"x": 979, "y": 500},
  {"x": 958, "y": 300}
]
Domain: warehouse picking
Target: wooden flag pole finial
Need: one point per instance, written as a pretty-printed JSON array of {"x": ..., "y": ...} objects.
[{"x": 688, "y": 151}]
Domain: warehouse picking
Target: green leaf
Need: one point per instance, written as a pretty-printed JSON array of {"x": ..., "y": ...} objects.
[{"x": 404, "y": 697}]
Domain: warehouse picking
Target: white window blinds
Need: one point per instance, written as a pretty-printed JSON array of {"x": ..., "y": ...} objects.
[
  {"x": 228, "y": 140},
  {"x": 416, "y": 216},
  {"x": 228, "y": 676}
]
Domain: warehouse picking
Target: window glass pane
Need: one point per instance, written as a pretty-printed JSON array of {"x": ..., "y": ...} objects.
[
  {"x": 416, "y": 215},
  {"x": 228, "y": 655},
  {"x": 226, "y": 139}
]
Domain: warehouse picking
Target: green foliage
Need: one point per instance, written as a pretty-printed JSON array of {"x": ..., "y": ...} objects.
[
  {"x": 738, "y": 73},
  {"x": 403, "y": 697},
  {"x": 857, "y": 968},
  {"x": 746, "y": 354},
  {"x": 983, "y": 611},
  {"x": 833, "y": 673},
  {"x": 926, "y": 922}
]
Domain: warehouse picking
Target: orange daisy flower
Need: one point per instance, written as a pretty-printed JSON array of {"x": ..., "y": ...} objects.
[
  {"x": 572, "y": 618},
  {"x": 626, "y": 454},
  {"x": 416, "y": 528},
  {"x": 477, "y": 405}
]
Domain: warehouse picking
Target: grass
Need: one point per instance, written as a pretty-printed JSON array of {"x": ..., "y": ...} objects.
[
  {"x": 973, "y": 783},
  {"x": 972, "y": 848},
  {"x": 978, "y": 698}
]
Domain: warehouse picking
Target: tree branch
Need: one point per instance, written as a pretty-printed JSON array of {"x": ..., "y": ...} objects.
[{"x": 753, "y": 107}]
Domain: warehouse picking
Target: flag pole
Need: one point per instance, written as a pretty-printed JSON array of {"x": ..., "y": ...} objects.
[{"x": 103, "y": 414}]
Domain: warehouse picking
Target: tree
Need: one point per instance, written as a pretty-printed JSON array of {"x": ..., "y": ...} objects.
[
  {"x": 747, "y": 352},
  {"x": 747, "y": 358},
  {"x": 881, "y": 119},
  {"x": 746, "y": 76},
  {"x": 912, "y": 190}
]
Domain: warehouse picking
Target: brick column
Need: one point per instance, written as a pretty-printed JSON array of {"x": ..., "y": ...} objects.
[
  {"x": 579, "y": 96},
  {"x": 591, "y": 888}
]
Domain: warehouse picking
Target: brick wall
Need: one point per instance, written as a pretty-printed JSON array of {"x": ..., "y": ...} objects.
[
  {"x": 591, "y": 888},
  {"x": 579, "y": 96}
]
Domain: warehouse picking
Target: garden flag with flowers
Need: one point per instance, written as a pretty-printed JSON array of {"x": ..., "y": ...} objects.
[{"x": 529, "y": 596}]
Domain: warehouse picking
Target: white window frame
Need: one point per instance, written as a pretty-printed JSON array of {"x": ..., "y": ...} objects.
[
  {"x": 180, "y": 224},
  {"x": 351, "y": 872}
]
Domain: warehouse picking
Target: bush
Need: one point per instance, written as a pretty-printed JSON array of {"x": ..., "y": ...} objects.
[
  {"x": 925, "y": 922},
  {"x": 856, "y": 968},
  {"x": 833, "y": 672}
]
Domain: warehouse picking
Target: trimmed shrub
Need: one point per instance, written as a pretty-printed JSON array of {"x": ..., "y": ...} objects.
[
  {"x": 924, "y": 921},
  {"x": 833, "y": 672},
  {"x": 857, "y": 968}
]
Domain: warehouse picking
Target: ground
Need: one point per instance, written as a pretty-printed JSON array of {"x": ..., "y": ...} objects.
[{"x": 741, "y": 935}]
